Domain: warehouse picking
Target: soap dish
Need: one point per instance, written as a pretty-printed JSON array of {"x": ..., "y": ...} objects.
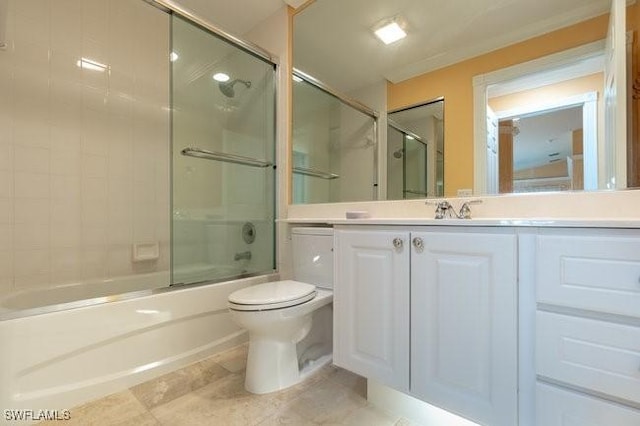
[{"x": 358, "y": 215}]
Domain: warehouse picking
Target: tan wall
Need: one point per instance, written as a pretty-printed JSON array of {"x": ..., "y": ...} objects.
[{"x": 455, "y": 84}]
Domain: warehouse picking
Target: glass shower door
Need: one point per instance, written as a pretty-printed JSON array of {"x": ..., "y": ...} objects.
[{"x": 223, "y": 144}]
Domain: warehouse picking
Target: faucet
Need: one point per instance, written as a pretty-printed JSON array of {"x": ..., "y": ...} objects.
[
  {"x": 246, "y": 255},
  {"x": 465, "y": 209},
  {"x": 444, "y": 208}
]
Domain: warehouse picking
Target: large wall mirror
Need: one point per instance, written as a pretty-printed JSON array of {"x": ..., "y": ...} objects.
[{"x": 538, "y": 96}]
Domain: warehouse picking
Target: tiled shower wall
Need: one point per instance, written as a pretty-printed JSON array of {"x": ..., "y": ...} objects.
[{"x": 84, "y": 153}]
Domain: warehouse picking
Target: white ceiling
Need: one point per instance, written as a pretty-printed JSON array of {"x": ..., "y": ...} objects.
[
  {"x": 236, "y": 17},
  {"x": 334, "y": 43},
  {"x": 546, "y": 133}
]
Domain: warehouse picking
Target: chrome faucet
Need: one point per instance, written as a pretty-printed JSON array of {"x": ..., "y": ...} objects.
[
  {"x": 245, "y": 255},
  {"x": 445, "y": 209},
  {"x": 465, "y": 209}
]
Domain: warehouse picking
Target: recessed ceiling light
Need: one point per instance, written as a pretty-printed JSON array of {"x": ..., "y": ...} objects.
[
  {"x": 390, "y": 32},
  {"x": 173, "y": 56},
  {"x": 221, "y": 77}
]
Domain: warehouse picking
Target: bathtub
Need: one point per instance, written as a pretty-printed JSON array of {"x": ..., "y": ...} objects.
[{"x": 61, "y": 359}]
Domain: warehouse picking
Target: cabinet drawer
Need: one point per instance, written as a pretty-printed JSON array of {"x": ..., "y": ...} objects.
[
  {"x": 599, "y": 273},
  {"x": 591, "y": 354},
  {"x": 558, "y": 407}
]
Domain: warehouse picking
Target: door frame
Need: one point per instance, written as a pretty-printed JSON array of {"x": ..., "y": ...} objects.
[{"x": 482, "y": 83}]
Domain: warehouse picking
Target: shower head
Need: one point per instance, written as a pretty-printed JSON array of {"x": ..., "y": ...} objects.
[
  {"x": 227, "y": 87},
  {"x": 398, "y": 153}
]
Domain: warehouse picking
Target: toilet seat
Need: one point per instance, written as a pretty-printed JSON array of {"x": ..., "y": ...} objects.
[{"x": 272, "y": 295}]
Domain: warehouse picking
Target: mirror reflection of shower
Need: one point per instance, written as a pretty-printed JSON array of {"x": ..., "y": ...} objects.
[
  {"x": 227, "y": 86},
  {"x": 415, "y": 148}
]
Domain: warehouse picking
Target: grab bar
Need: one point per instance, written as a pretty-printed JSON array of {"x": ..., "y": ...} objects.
[
  {"x": 315, "y": 173},
  {"x": 227, "y": 158}
]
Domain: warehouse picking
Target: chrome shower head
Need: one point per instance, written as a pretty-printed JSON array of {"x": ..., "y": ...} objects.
[
  {"x": 227, "y": 88},
  {"x": 398, "y": 153}
]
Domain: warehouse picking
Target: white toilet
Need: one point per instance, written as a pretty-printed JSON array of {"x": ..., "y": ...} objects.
[{"x": 290, "y": 322}]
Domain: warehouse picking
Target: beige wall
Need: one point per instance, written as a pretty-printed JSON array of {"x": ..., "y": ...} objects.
[{"x": 454, "y": 83}]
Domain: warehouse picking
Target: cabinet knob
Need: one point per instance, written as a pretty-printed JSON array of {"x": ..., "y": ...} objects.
[
  {"x": 418, "y": 243},
  {"x": 397, "y": 243}
]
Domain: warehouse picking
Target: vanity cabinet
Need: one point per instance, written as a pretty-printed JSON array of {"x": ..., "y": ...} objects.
[
  {"x": 371, "y": 305},
  {"x": 464, "y": 323},
  {"x": 587, "y": 329},
  {"x": 431, "y": 312}
]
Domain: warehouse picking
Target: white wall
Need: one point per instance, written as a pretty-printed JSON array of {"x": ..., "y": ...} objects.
[{"x": 84, "y": 166}]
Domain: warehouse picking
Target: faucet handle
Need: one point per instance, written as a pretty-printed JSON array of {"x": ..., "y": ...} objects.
[
  {"x": 465, "y": 209},
  {"x": 442, "y": 207}
]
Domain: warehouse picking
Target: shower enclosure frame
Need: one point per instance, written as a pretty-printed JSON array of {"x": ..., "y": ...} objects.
[
  {"x": 375, "y": 115},
  {"x": 169, "y": 7}
]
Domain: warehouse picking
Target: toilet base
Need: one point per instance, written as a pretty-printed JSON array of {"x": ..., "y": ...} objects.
[{"x": 271, "y": 366}]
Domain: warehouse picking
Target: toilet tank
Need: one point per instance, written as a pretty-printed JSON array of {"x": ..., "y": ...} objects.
[{"x": 313, "y": 256}]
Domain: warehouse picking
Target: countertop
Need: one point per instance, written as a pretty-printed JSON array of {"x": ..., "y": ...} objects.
[{"x": 506, "y": 222}]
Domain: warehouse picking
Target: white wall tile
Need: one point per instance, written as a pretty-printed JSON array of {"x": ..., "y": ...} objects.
[
  {"x": 83, "y": 154},
  {"x": 94, "y": 263},
  {"x": 65, "y": 162},
  {"x": 31, "y": 262},
  {"x": 32, "y": 211},
  {"x": 31, "y": 236},
  {"x": 6, "y": 184},
  {"x": 6, "y": 211},
  {"x": 31, "y": 159},
  {"x": 94, "y": 188},
  {"x": 25, "y": 282},
  {"x": 6, "y": 237},
  {"x": 6, "y": 156},
  {"x": 64, "y": 235},
  {"x": 6, "y": 264},
  {"x": 65, "y": 187},
  {"x": 32, "y": 185}
]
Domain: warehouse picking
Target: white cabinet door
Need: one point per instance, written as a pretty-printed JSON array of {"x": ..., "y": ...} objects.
[
  {"x": 464, "y": 324},
  {"x": 371, "y": 305}
]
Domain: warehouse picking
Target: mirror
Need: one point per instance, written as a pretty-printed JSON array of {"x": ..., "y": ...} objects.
[
  {"x": 415, "y": 152},
  {"x": 476, "y": 55}
]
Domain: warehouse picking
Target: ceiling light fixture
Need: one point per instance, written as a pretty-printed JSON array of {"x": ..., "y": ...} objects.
[
  {"x": 390, "y": 30},
  {"x": 221, "y": 77}
]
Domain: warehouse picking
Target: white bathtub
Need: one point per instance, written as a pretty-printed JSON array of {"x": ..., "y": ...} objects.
[
  {"x": 61, "y": 359},
  {"x": 39, "y": 297}
]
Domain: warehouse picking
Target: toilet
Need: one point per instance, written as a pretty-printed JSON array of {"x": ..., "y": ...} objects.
[{"x": 290, "y": 322}]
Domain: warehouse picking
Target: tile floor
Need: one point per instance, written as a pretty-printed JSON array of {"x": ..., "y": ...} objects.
[{"x": 211, "y": 392}]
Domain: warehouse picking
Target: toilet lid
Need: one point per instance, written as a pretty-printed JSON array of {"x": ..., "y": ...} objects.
[{"x": 277, "y": 294}]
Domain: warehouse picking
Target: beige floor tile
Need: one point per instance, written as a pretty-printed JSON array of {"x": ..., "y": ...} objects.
[
  {"x": 175, "y": 384},
  {"x": 327, "y": 402},
  {"x": 370, "y": 416},
  {"x": 234, "y": 359},
  {"x": 224, "y": 401},
  {"x": 121, "y": 408},
  {"x": 406, "y": 422},
  {"x": 355, "y": 383}
]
